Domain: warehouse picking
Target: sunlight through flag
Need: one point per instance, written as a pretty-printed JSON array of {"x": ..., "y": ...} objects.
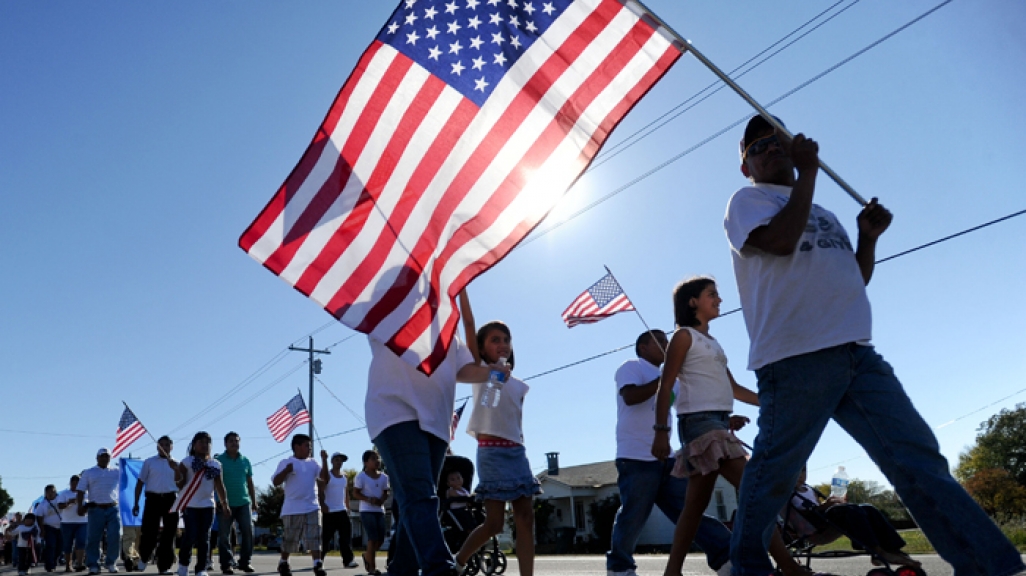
[
  {"x": 287, "y": 418},
  {"x": 460, "y": 128},
  {"x": 602, "y": 300},
  {"x": 130, "y": 429}
]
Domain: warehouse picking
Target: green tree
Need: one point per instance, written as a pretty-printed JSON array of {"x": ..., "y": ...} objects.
[
  {"x": 997, "y": 493},
  {"x": 5, "y": 500},
  {"x": 269, "y": 504},
  {"x": 1000, "y": 443}
]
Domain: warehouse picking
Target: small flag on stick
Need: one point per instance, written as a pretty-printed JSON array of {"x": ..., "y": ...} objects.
[
  {"x": 602, "y": 300},
  {"x": 456, "y": 420},
  {"x": 287, "y": 418},
  {"x": 130, "y": 429}
]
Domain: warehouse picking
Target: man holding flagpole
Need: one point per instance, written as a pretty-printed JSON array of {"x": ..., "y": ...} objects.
[{"x": 803, "y": 293}]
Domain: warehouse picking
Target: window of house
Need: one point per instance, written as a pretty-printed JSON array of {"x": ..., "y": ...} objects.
[
  {"x": 721, "y": 506},
  {"x": 579, "y": 515}
]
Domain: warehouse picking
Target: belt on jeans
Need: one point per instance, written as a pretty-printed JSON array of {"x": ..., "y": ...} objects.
[{"x": 111, "y": 505}]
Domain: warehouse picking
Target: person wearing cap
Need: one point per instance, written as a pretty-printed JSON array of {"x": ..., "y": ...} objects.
[
  {"x": 333, "y": 494},
  {"x": 158, "y": 478},
  {"x": 803, "y": 293},
  {"x": 238, "y": 482},
  {"x": 100, "y": 485}
]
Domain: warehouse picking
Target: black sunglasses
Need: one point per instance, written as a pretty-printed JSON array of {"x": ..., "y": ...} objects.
[{"x": 761, "y": 145}]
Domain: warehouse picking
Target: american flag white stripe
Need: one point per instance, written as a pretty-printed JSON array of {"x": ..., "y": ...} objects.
[
  {"x": 457, "y": 183},
  {"x": 601, "y": 300},
  {"x": 185, "y": 496}
]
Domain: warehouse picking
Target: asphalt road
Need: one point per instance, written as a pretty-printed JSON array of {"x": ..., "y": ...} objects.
[{"x": 648, "y": 565}]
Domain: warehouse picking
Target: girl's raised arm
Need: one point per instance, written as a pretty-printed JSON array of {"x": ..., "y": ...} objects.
[
  {"x": 676, "y": 352},
  {"x": 469, "y": 327}
]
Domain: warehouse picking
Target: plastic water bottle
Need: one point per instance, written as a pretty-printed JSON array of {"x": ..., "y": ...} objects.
[
  {"x": 839, "y": 483},
  {"x": 493, "y": 389}
]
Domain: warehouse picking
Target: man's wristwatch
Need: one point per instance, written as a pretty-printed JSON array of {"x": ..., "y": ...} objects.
[{"x": 661, "y": 428}]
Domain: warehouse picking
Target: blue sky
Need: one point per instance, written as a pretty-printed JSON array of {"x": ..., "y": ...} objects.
[{"x": 137, "y": 141}]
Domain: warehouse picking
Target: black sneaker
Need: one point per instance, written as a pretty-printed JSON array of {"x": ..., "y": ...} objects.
[
  {"x": 284, "y": 569},
  {"x": 247, "y": 569},
  {"x": 227, "y": 570},
  {"x": 319, "y": 570}
]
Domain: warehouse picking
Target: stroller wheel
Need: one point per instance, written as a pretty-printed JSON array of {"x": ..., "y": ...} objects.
[
  {"x": 473, "y": 565},
  {"x": 494, "y": 562},
  {"x": 909, "y": 571},
  {"x": 880, "y": 572}
]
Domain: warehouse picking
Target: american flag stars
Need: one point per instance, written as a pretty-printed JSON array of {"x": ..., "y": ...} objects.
[{"x": 469, "y": 44}]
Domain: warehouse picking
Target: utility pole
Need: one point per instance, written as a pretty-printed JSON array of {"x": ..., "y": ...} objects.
[{"x": 315, "y": 368}]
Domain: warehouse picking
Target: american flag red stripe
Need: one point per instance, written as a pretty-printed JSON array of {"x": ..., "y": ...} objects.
[
  {"x": 129, "y": 430},
  {"x": 186, "y": 495},
  {"x": 602, "y": 300},
  {"x": 411, "y": 187},
  {"x": 288, "y": 418},
  {"x": 456, "y": 415}
]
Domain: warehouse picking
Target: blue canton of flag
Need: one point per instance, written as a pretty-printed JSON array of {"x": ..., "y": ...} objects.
[{"x": 469, "y": 44}]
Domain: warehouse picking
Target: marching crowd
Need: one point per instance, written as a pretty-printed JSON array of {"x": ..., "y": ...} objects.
[
  {"x": 802, "y": 286},
  {"x": 83, "y": 525}
]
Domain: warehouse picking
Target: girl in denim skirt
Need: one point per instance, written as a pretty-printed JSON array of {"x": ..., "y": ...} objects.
[
  {"x": 704, "y": 423},
  {"x": 502, "y": 467}
]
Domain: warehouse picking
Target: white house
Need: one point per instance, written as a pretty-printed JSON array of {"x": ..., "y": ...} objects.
[{"x": 570, "y": 490}]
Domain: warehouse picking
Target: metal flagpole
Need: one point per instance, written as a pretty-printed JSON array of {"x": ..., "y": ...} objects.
[
  {"x": 687, "y": 46},
  {"x": 640, "y": 317}
]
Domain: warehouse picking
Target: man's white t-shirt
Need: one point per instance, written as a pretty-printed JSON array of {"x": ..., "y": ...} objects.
[
  {"x": 335, "y": 492},
  {"x": 47, "y": 513},
  {"x": 157, "y": 476},
  {"x": 397, "y": 392},
  {"x": 813, "y": 299},
  {"x": 300, "y": 486},
  {"x": 634, "y": 432},
  {"x": 372, "y": 488},
  {"x": 70, "y": 515}
]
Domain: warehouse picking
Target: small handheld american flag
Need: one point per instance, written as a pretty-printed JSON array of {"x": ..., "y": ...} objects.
[
  {"x": 130, "y": 429},
  {"x": 288, "y": 418},
  {"x": 602, "y": 300}
]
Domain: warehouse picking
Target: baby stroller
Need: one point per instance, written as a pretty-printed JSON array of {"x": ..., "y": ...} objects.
[
  {"x": 459, "y": 516},
  {"x": 804, "y": 526}
]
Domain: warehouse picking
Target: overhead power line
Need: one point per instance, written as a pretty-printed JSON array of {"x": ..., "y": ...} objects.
[{"x": 728, "y": 128}]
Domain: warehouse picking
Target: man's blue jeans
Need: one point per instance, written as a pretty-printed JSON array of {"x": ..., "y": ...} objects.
[
  {"x": 99, "y": 519},
  {"x": 855, "y": 386},
  {"x": 414, "y": 460},
  {"x": 645, "y": 484},
  {"x": 243, "y": 515}
]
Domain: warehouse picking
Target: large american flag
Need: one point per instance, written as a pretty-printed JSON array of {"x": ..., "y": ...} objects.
[
  {"x": 288, "y": 418},
  {"x": 602, "y": 300},
  {"x": 461, "y": 126},
  {"x": 130, "y": 429}
]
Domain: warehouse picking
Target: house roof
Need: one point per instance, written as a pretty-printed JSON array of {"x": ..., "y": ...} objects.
[{"x": 585, "y": 475}]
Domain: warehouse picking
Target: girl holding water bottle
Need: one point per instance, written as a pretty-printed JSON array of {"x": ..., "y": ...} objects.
[
  {"x": 503, "y": 470},
  {"x": 705, "y": 425}
]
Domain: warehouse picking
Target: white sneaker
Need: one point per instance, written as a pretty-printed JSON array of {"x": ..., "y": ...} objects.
[
  {"x": 183, "y": 570},
  {"x": 202, "y": 573},
  {"x": 630, "y": 572},
  {"x": 724, "y": 570},
  {"x": 112, "y": 569},
  {"x": 140, "y": 567}
]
